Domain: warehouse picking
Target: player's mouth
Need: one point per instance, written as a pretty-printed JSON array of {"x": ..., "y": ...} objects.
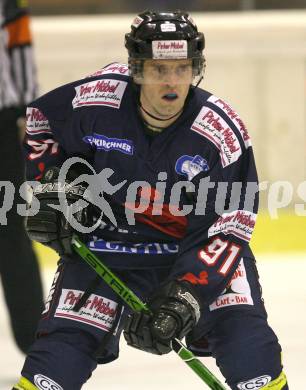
[{"x": 170, "y": 97}]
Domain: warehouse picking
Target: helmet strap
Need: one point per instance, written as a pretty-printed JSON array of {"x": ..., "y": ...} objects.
[{"x": 200, "y": 79}]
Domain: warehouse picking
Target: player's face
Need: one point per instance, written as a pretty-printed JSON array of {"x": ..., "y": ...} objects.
[{"x": 165, "y": 85}]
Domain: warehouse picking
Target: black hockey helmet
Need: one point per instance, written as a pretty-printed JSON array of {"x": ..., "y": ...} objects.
[{"x": 150, "y": 32}]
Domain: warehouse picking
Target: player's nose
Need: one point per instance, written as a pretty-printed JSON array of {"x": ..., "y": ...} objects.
[{"x": 171, "y": 79}]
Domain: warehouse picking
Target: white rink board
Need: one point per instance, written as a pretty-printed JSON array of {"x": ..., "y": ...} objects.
[{"x": 283, "y": 282}]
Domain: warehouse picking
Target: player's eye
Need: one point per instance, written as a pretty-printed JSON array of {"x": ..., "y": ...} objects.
[
  {"x": 160, "y": 69},
  {"x": 182, "y": 69}
]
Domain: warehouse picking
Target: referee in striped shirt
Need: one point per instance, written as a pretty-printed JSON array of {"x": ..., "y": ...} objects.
[{"x": 18, "y": 265}]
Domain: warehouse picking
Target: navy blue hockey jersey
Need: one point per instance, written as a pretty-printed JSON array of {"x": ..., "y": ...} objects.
[{"x": 198, "y": 176}]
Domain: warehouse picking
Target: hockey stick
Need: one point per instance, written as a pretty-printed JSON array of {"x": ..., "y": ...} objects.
[{"x": 137, "y": 305}]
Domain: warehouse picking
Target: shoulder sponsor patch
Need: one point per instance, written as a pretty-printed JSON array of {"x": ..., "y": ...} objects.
[
  {"x": 240, "y": 223},
  {"x": 212, "y": 126},
  {"x": 232, "y": 114},
  {"x": 44, "y": 383},
  {"x": 190, "y": 166},
  {"x": 36, "y": 122},
  {"x": 115, "y": 68},
  {"x": 105, "y": 92},
  {"x": 101, "y": 142},
  {"x": 174, "y": 49},
  {"x": 98, "y": 311},
  {"x": 238, "y": 291}
]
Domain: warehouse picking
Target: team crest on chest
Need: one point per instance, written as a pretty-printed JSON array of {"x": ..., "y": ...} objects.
[{"x": 190, "y": 166}]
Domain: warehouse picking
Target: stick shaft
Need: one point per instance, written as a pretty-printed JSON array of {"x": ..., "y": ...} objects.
[
  {"x": 196, "y": 365},
  {"x": 109, "y": 277},
  {"x": 137, "y": 305}
]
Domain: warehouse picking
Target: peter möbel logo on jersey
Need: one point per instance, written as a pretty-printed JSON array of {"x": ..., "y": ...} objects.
[
  {"x": 106, "y": 92},
  {"x": 36, "y": 122}
]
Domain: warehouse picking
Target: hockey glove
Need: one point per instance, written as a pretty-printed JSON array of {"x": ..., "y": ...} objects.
[
  {"x": 50, "y": 226},
  {"x": 175, "y": 311}
]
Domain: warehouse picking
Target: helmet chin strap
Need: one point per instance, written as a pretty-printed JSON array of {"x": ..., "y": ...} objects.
[{"x": 160, "y": 119}]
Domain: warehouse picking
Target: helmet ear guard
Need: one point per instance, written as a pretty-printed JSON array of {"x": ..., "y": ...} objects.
[{"x": 164, "y": 35}]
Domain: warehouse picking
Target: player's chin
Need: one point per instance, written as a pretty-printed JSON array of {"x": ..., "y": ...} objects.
[
  {"x": 169, "y": 111},
  {"x": 175, "y": 109}
]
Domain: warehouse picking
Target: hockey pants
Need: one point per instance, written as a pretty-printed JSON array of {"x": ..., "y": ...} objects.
[{"x": 234, "y": 328}]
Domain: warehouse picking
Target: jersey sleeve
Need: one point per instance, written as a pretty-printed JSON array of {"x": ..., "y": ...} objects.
[
  {"x": 41, "y": 148},
  {"x": 223, "y": 217},
  {"x": 54, "y": 132}
]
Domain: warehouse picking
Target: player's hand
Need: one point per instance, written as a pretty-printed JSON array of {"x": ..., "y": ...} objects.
[
  {"x": 175, "y": 311},
  {"x": 50, "y": 226}
]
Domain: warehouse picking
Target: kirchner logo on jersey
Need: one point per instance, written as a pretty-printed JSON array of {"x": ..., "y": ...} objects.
[
  {"x": 101, "y": 142},
  {"x": 191, "y": 166}
]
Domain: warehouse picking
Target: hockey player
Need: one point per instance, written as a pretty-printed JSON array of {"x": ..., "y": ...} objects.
[{"x": 180, "y": 150}]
